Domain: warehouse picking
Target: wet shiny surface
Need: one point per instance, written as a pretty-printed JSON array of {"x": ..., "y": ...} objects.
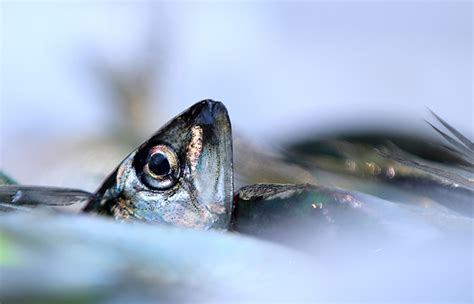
[{"x": 201, "y": 194}]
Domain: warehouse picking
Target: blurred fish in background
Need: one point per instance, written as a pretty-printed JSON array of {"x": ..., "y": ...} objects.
[{"x": 319, "y": 93}]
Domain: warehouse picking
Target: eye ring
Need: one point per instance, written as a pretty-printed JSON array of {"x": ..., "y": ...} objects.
[{"x": 161, "y": 169}]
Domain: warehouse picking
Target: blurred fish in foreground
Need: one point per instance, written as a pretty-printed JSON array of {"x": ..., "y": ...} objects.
[{"x": 63, "y": 258}]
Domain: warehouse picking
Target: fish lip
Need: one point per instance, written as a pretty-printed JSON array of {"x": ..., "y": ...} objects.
[
  {"x": 214, "y": 118},
  {"x": 207, "y": 111}
]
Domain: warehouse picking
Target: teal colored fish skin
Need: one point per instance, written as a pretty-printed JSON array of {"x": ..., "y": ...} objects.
[
  {"x": 299, "y": 216},
  {"x": 309, "y": 217}
]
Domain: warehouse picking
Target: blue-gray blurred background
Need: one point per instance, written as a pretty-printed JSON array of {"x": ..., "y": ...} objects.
[{"x": 76, "y": 74}]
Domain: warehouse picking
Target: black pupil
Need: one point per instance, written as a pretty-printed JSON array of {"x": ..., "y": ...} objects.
[{"x": 159, "y": 164}]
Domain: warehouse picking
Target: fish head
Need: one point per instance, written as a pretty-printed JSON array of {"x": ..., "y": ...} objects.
[{"x": 182, "y": 175}]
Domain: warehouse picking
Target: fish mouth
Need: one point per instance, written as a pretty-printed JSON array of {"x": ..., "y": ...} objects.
[{"x": 209, "y": 160}]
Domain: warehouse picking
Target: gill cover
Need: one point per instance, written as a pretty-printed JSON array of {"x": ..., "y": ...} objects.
[{"x": 181, "y": 176}]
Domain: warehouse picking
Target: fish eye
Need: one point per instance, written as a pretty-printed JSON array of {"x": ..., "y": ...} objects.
[{"x": 161, "y": 168}]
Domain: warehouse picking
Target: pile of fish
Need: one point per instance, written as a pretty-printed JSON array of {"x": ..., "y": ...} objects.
[{"x": 382, "y": 218}]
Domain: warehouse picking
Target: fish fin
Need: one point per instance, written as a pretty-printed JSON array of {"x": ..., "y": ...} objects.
[
  {"x": 464, "y": 151},
  {"x": 468, "y": 143},
  {"x": 33, "y": 196}
]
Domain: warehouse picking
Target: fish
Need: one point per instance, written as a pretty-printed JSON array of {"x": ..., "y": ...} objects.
[
  {"x": 299, "y": 225},
  {"x": 181, "y": 176}
]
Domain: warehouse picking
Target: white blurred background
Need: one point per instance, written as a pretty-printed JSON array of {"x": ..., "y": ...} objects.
[
  {"x": 282, "y": 68},
  {"x": 81, "y": 83}
]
